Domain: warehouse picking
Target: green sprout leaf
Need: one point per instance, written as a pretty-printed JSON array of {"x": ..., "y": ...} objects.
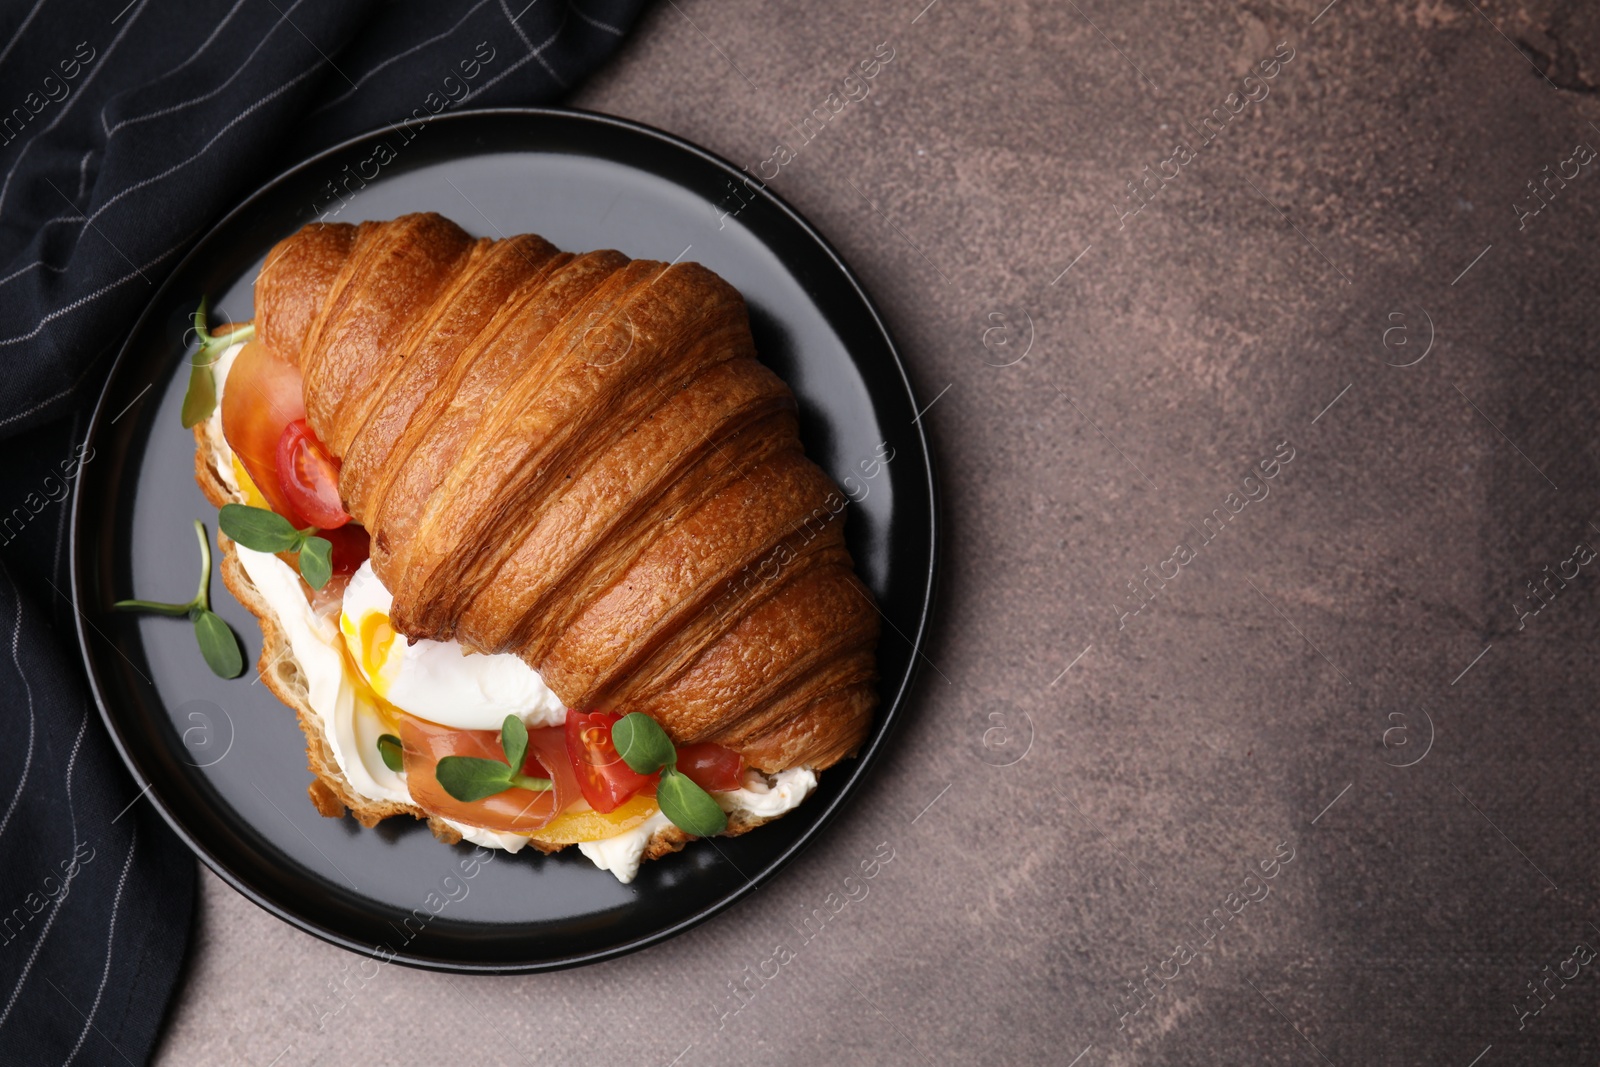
[
  {"x": 202, "y": 595},
  {"x": 201, "y": 398},
  {"x": 316, "y": 561},
  {"x": 154, "y": 607},
  {"x": 468, "y": 778},
  {"x": 643, "y": 745},
  {"x": 689, "y": 807},
  {"x": 266, "y": 531},
  {"x": 514, "y": 740},
  {"x": 218, "y": 644},
  {"x": 258, "y": 528},
  {"x": 390, "y": 749}
]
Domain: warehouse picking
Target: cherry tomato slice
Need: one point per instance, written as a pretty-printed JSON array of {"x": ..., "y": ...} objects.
[
  {"x": 260, "y": 396},
  {"x": 712, "y": 767},
  {"x": 309, "y": 477},
  {"x": 606, "y": 781},
  {"x": 523, "y": 811}
]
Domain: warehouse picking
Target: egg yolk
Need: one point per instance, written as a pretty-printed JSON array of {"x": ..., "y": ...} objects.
[
  {"x": 572, "y": 827},
  {"x": 372, "y": 642},
  {"x": 252, "y": 495},
  {"x": 365, "y": 653}
]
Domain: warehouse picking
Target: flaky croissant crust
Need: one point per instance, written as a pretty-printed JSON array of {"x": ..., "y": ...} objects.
[{"x": 577, "y": 459}]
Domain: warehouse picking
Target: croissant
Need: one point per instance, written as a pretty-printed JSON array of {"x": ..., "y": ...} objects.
[{"x": 578, "y": 460}]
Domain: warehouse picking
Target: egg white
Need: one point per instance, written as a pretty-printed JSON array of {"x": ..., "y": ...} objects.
[{"x": 439, "y": 680}]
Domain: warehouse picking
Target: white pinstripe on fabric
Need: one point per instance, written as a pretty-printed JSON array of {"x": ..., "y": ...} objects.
[
  {"x": 512, "y": 69},
  {"x": 596, "y": 23},
  {"x": 507, "y": 12},
  {"x": 20, "y": 271},
  {"x": 55, "y": 907},
  {"x": 27, "y": 762},
  {"x": 75, "y": 305},
  {"x": 534, "y": 52},
  {"x": 396, "y": 58},
  {"x": 176, "y": 167},
  {"x": 51, "y": 399},
  {"x": 194, "y": 55},
  {"x": 237, "y": 70},
  {"x": 111, "y": 942},
  {"x": 22, "y": 29},
  {"x": 538, "y": 53},
  {"x": 66, "y": 106}
]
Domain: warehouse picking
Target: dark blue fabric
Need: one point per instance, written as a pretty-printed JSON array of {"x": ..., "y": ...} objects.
[{"x": 126, "y": 129}]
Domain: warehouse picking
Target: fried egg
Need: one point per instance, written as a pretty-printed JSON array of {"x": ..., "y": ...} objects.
[{"x": 438, "y": 680}]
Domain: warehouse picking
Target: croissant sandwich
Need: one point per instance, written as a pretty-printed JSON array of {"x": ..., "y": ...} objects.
[{"x": 535, "y": 549}]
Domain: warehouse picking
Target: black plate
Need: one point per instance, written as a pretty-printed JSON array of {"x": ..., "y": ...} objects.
[{"x": 225, "y": 761}]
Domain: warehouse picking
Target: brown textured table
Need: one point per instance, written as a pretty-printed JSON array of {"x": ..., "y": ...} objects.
[{"x": 1186, "y": 833}]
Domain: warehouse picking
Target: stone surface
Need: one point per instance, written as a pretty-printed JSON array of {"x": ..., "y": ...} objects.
[{"x": 1257, "y": 707}]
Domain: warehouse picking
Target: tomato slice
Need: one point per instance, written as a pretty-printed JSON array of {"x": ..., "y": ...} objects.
[
  {"x": 261, "y": 396},
  {"x": 606, "y": 781},
  {"x": 714, "y": 768},
  {"x": 521, "y": 811},
  {"x": 309, "y": 477},
  {"x": 351, "y": 546}
]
